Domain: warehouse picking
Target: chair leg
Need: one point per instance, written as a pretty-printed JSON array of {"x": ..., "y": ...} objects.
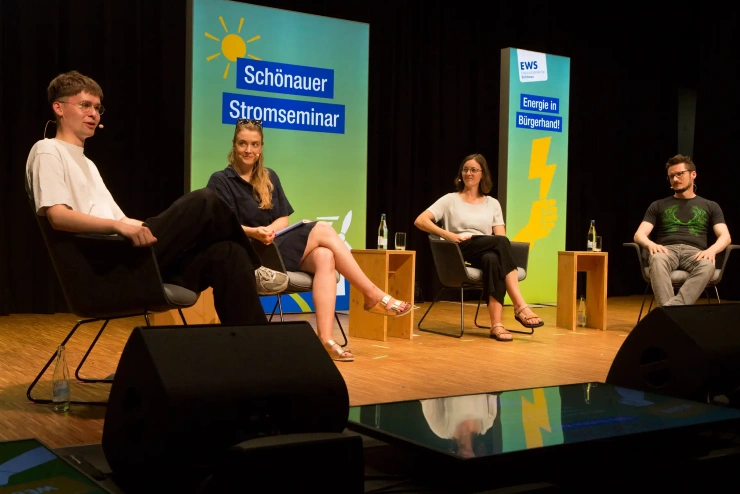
[
  {"x": 462, "y": 311},
  {"x": 182, "y": 316},
  {"x": 82, "y": 362},
  {"x": 146, "y": 318},
  {"x": 274, "y": 308},
  {"x": 716, "y": 292},
  {"x": 341, "y": 329},
  {"x": 706, "y": 292},
  {"x": 48, "y": 364},
  {"x": 644, "y": 296},
  {"x": 475, "y": 321},
  {"x": 280, "y": 304},
  {"x": 436, "y": 298}
]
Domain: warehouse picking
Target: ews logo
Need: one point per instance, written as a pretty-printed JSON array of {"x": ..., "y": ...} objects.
[{"x": 532, "y": 66}]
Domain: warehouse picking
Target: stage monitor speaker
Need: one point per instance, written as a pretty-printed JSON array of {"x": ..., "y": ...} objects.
[
  {"x": 690, "y": 352},
  {"x": 182, "y": 396}
]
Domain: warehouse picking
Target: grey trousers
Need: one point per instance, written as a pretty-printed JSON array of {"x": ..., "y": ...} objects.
[{"x": 679, "y": 256}]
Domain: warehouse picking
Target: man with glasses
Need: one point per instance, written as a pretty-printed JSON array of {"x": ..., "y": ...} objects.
[
  {"x": 681, "y": 223},
  {"x": 198, "y": 241}
]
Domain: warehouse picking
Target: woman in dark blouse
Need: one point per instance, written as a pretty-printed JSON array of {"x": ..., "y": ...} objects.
[{"x": 256, "y": 196}]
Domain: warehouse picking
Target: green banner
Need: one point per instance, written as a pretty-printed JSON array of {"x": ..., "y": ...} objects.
[
  {"x": 306, "y": 78},
  {"x": 533, "y": 162}
]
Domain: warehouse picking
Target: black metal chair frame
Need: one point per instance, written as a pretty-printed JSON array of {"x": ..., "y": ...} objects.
[
  {"x": 450, "y": 266},
  {"x": 721, "y": 259},
  {"x": 271, "y": 258},
  {"x": 104, "y": 278}
]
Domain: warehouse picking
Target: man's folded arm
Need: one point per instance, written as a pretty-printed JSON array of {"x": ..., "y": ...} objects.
[{"x": 65, "y": 219}]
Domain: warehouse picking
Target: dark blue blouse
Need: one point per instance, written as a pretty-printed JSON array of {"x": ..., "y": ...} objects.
[{"x": 237, "y": 193}]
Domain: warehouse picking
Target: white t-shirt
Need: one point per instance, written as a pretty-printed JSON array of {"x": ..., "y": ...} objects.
[
  {"x": 58, "y": 172},
  {"x": 458, "y": 216},
  {"x": 444, "y": 415}
]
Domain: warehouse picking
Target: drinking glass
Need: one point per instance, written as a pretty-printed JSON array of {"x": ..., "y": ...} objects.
[
  {"x": 400, "y": 241},
  {"x": 597, "y": 245}
]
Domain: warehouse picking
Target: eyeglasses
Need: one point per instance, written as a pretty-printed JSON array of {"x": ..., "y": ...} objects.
[
  {"x": 87, "y": 107},
  {"x": 677, "y": 174},
  {"x": 244, "y": 121},
  {"x": 470, "y": 170}
]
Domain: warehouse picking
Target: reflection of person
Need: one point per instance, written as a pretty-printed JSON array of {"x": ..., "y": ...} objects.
[
  {"x": 255, "y": 194},
  {"x": 464, "y": 419},
  {"x": 681, "y": 223},
  {"x": 197, "y": 241},
  {"x": 469, "y": 218}
]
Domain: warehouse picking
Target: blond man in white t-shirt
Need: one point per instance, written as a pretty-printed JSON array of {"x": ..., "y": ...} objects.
[
  {"x": 474, "y": 220},
  {"x": 197, "y": 241}
]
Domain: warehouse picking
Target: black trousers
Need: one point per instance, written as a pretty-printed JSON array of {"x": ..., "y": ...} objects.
[
  {"x": 492, "y": 255},
  {"x": 200, "y": 243}
]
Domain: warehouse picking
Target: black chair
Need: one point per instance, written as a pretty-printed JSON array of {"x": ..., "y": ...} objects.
[
  {"x": 678, "y": 277},
  {"x": 298, "y": 281},
  {"x": 455, "y": 275},
  {"x": 103, "y": 278}
]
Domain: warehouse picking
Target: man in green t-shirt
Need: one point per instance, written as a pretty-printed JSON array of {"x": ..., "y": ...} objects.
[{"x": 681, "y": 223}]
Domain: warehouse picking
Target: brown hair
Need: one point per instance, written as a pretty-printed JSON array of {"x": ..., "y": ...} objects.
[
  {"x": 70, "y": 84},
  {"x": 485, "y": 185},
  {"x": 678, "y": 159},
  {"x": 260, "y": 179}
]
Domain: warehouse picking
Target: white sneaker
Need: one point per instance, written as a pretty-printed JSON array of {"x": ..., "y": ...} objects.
[{"x": 270, "y": 282}]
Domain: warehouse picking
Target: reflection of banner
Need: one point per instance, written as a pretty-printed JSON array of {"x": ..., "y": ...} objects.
[
  {"x": 533, "y": 161},
  {"x": 530, "y": 418},
  {"x": 306, "y": 78}
]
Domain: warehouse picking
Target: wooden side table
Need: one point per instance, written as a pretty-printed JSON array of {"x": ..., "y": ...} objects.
[
  {"x": 595, "y": 265},
  {"x": 393, "y": 272}
]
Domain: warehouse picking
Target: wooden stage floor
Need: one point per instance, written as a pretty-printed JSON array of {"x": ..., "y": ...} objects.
[{"x": 426, "y": 366}]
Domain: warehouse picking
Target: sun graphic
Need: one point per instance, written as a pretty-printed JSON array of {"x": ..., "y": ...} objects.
[{"x": 232, "y": 46}]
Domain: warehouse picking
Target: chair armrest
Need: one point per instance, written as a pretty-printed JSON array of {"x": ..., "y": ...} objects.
[
  {"x": 724, "y": 256},
  {"x": 106, "y": 276},
  {"x": 520, "y": 253},
  {"x": 640, "y": 259},
  {"x": 100, "y": 236},
  {"x": 269, "y": 255},
  {"x": 449, "y": 263}
]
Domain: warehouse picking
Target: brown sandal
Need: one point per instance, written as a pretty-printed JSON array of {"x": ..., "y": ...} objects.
[
  {"x": 497, "y": 336},
  {"x": 522, "y": 320}
]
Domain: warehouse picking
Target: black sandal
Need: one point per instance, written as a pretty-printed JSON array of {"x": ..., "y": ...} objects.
[{"x": 521, "y": 320}]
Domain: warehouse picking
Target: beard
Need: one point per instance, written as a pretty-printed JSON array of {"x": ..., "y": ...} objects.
[{"x": 683, "y": 189}]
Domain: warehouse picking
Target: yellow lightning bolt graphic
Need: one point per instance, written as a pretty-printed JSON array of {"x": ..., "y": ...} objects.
[
  {"x": 535, "y": 418},
  {"x": 538, "y": 167}
]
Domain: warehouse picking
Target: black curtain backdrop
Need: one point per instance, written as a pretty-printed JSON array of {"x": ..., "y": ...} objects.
[{"x": 434, "y": 92}]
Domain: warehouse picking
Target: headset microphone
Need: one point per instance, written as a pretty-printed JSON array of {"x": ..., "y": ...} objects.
[{"x": 100, "y": 126}]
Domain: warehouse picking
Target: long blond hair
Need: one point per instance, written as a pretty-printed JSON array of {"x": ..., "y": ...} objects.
[{"x": 260, "y": 179}]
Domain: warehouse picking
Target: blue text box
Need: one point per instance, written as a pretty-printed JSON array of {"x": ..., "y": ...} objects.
[
  {"x": 284, "y": 78},
  {"x": 281, "y": 113},
  {"x": 531, "y": 102},
  {"x": 535, "y": 121}
]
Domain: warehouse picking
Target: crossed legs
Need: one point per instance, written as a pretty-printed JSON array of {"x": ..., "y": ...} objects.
[
  {"x": 492, "y": 255},
  {"x": 325, "y": 252}
]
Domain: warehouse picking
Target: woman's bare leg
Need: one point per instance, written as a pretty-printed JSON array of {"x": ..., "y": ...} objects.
[
  {"x": 512, "y": 288},
  {"x": 320, "y": 262},
  {"x": 323, "y": 235},
  {"x": 495, "y": 309}
]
